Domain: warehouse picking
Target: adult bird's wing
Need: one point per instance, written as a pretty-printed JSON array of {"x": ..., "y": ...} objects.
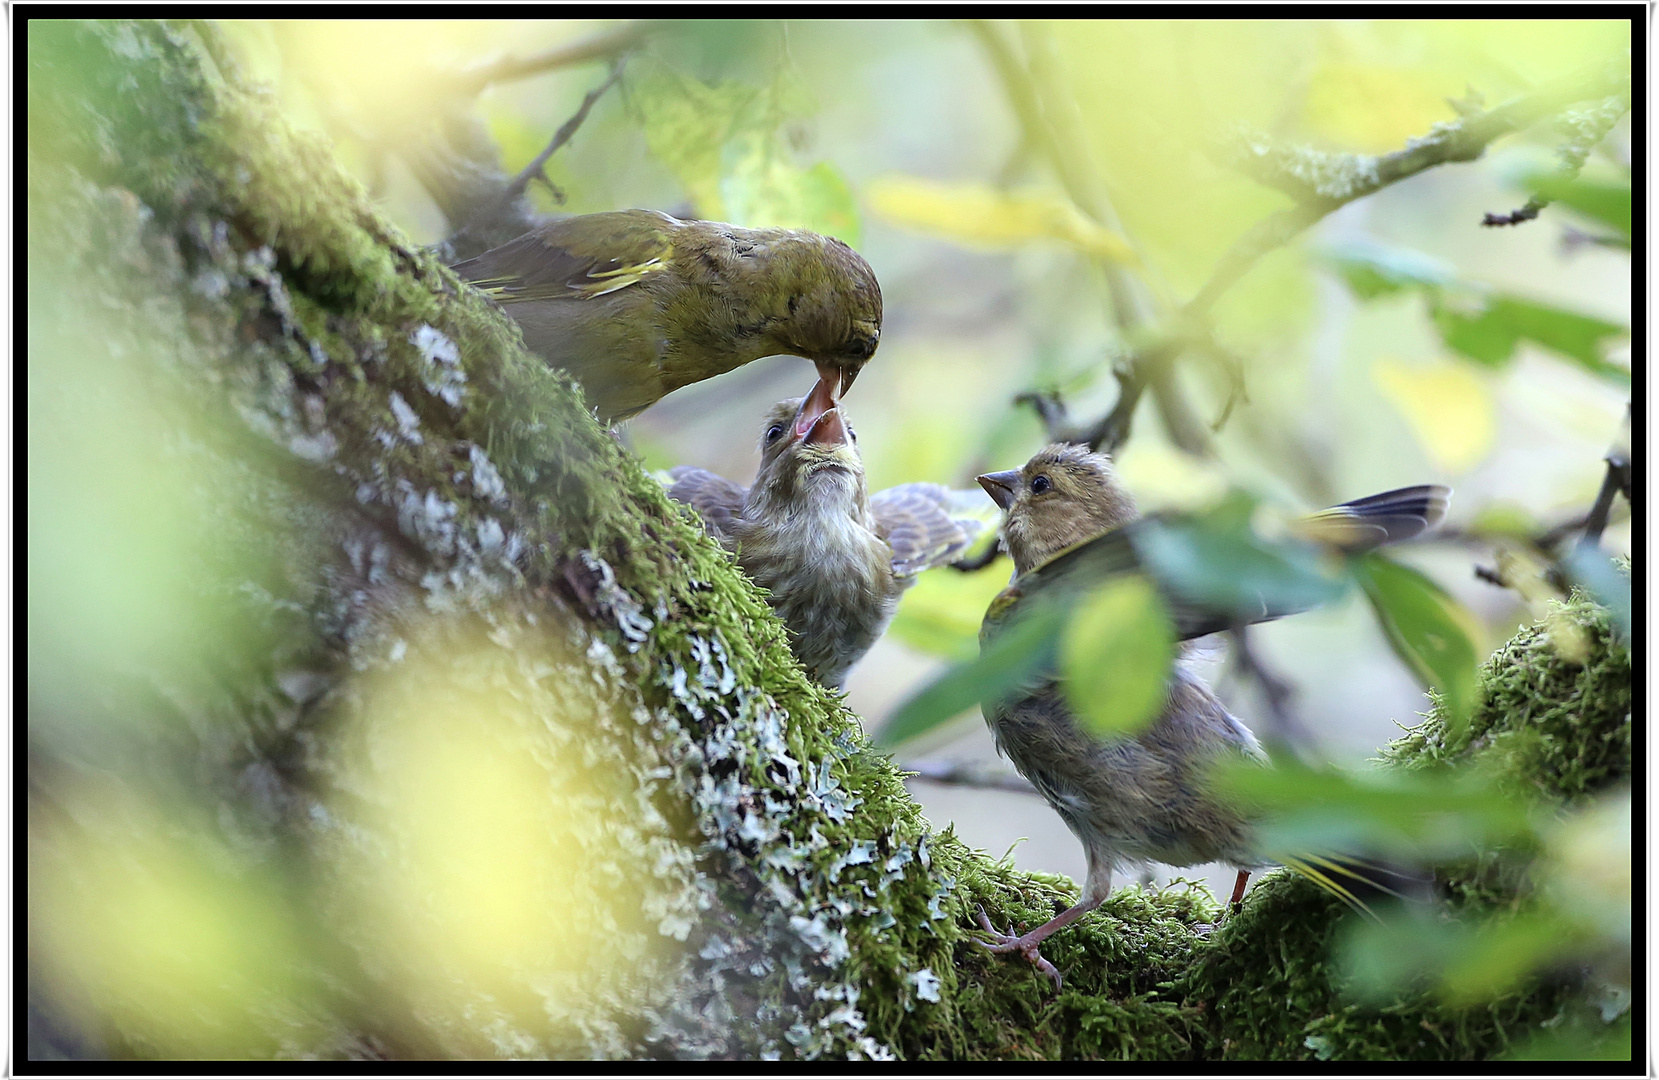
[
  {"x": 926, "y": 525},
  {"x": 716, "y": 498},
  {"x": 577, "y": 258}
]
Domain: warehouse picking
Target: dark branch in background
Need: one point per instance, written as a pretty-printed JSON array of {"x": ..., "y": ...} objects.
[
  {"x": 1585, "y": 130},
  {"x": 1283, "y": 730},
  {"x": 969, "y": 563},
  {"x": 482, "y": 230},
  {"x": 1617, "y": 481},
  {"x": 974, "y": 776}
]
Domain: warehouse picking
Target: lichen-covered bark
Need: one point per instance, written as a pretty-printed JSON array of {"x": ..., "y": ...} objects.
[{"x": 412, "y": 518}]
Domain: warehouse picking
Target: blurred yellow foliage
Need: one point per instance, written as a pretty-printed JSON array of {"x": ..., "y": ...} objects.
[
  {"x": 978, "y": 215},
  {"x": 1374, "y": 108},
  {"x": 1448, "y": 405},
  {"x": 139, "y": 922}
]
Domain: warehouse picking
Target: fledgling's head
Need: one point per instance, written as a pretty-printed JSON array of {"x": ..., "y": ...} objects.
[
  {"x": 831, "y": 306},
  {"x": 1064, "y": 495},
  {"x": 807, "y": 450}
]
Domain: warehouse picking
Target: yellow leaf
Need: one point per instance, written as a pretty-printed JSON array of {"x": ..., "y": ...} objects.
[
  {"x": 1374, "y": 108},
  {"x": 1449, "y": 407},
  {"x": 980, "y": 216}
]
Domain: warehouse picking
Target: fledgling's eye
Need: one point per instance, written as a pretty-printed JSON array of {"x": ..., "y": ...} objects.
[
  {"x": 1040, "y": 484},
  {"x": 773, "y": 433}
]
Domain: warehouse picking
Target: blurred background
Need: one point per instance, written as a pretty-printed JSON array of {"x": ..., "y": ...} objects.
[
  {"x": 1396, "y": 342},
  {"x": 901, "y": 138}
]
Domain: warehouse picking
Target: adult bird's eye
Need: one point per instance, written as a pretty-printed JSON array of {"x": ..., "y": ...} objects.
[
  {"x": 861, "y": 347},
  {"x": 1040, "y": 484},
  {"x": 773, "y": 432}
]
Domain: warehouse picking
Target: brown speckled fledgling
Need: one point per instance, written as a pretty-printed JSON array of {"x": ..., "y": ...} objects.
[
  {"x": 835, "y": 558},
  {"x": 1135, "y": 799},
  {"x": 637, "y": 304}
]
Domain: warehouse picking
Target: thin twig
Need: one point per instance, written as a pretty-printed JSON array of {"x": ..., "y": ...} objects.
[
  {"x": 991, "y": 779},
  {"x": 970, "y": 563},
  {"x": 1282, "y": 728},
  {"x": 605, "y": 44},
  {"x": 1616, "y": 481},
  {"x": 566, "y": 131}
]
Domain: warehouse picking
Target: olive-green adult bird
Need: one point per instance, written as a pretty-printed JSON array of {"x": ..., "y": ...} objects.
[
  {"x": 1141, "y": 798},
  {"x": 637, "y": 304},
  {"x": 834, "y": 557}
]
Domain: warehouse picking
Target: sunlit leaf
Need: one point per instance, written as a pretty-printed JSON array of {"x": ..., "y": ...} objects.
[
  {"x": 981, "y": 216},
  {"x": 1428, "y": 629},
  {"x": 1490, "y": 332},
  {"x": 761, "y": 188},
  {"x": 1115, "y": 656},
  {"x": 1449, "y": 406},
  {"x": 941, "y": 613},
  {"x": 1375, "y": 107},
  {"x": 687, "y": 122},
  {"x": 1011, "y": 658}
]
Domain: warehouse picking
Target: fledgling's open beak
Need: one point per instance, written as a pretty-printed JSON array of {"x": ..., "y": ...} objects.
[
  {"x": 815, "y": 404},
  {"x": 1001, "y": 486},
  {"x": 828, "y": 430}
]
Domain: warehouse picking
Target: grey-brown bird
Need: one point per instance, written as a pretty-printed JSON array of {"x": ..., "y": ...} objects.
[
  {"x": 637, "y": 304},
  {"x": 1142, "y": 798},
  {"x": 834, "y": 558}
]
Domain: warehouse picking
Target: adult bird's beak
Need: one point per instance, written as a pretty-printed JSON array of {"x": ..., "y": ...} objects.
[
  {"x": 1001, "y": 486},
  {"x": 830, "y": 374},
  {"x": 816, "y": 404}
]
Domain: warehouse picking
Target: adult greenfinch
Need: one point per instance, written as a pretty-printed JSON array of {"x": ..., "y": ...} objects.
[
  {"x": 834, "y": 558},
  {"x": 1140, "y": 798},
  {"x": 636, "y": 304}
]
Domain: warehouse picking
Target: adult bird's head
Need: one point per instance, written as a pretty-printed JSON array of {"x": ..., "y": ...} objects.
[
  {"x": 832, "y": 311},
  {"x": 1062, "y": 496}
]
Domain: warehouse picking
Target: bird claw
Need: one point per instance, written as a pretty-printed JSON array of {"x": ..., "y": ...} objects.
[{"x": 1003, "y": 943}]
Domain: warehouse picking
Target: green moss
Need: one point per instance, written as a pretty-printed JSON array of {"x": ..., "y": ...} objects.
[{"x": 1546, "y": 723}]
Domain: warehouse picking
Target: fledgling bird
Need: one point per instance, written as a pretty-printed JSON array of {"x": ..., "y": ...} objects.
[
  {"x": 637, "y": 304},
  {"x": 1139, "y": 798},
  {"x": 834, "y": 557}
]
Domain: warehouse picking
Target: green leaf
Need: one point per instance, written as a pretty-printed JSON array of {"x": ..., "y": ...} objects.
[
  {"x": 1428, "y": 629},
  {"x": 1490, "y": 334},
  {"x": 1217, "y": 562},
  {"x": 687, "y": 122},
  {"x": 1372, "y": 270},
  {"x": 1115, "y": 657},
  {"x": 1606, "y": 201},
  {"x": 1011, "y": 658}
]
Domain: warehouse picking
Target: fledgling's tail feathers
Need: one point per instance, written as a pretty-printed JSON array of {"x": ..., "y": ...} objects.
[
  {"x": 1354, "y": 880},
  {"x": 1387, "y": 518}
]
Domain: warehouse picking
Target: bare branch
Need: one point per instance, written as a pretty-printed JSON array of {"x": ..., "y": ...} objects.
[
  {"x": 1283, "y": 728},
  {"x": 1616, "y": 481},
  {"x": 985, "y": 558},
  {"x": 958, "y": 775},
  {"x": 606, "y": 44}
]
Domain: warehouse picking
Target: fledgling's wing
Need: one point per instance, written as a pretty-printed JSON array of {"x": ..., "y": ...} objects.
[
  {"x": 1387, "y": 518},
  {"x": 716, "y": 498},
  {"x": 924, "y": 524},
  {"x": 577, "y": 258}
]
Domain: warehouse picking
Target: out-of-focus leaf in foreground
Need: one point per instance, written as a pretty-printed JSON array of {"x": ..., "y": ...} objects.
[
  {"x": 1114, "y": 660},
  {"x": 1014, "y": 656},
  {"x": 1427, "y": 629},
  {"x": 1606, "y": 200}
]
